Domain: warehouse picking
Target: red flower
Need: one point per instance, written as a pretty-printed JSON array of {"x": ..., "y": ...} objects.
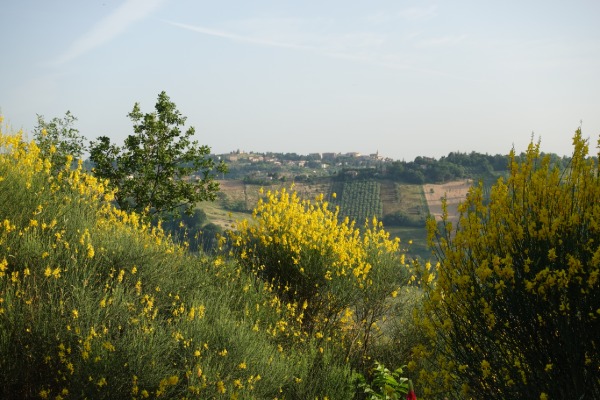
[{"x": 411, "y": 392}]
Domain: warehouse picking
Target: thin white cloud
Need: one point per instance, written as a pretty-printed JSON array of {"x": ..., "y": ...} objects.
[
  {"x": 336, "y": 46},
  {"x": 108, "y": 28},
  {"x": 240, "y": 38},
  {"x": 332, "y": 44},
  {"x": 361, "y": 47}
]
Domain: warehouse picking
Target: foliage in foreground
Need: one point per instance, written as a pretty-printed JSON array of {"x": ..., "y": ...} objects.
[
  {"x": 338, "y": 281},
  {"x": 96, "y": 304},
  {"x": 385, "y": 385},
  {"x": 515, "y": 310}
]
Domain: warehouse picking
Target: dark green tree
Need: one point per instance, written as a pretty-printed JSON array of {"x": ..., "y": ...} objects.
[
  {"x": 159, "y": 169},
  {"x": 58, "y": 139}
]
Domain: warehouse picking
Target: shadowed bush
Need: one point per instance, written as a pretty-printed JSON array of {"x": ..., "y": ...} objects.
[{"x": 515, "y": 309}]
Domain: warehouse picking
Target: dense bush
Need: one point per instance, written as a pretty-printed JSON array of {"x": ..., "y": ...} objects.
[
  {"x": 515, "y": 309},
  {"x": 401, "y": 218},
  {"x": 96, "y": 304},
  {"x": 341, "y": 279}
]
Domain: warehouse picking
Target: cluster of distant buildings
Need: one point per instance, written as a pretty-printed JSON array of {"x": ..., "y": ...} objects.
[{"x": 300, "y": 160}]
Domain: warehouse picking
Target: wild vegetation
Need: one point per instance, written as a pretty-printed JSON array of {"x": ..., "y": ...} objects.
[
  {"x": 95, "y": 303},
  {"x": 299, "y": 299},
  {"x": 59, "y": 139},
  {"x": 336, "y": 279}
]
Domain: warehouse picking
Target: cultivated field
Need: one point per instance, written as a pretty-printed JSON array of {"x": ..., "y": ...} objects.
[
  {"x": 454, "y": 192},
  {"x": 397, "y": 197}
]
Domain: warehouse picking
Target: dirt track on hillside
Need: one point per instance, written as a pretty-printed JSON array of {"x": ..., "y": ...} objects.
[{"x": 455, "y": 192}]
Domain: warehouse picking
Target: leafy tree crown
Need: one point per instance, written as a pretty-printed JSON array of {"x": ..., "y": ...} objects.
[
  {"x": 159, "y": 168},
  {"x": 59, "y": 140}
]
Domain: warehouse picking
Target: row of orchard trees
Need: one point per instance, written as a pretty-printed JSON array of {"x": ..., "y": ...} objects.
[{"x": 360, "y": 200}]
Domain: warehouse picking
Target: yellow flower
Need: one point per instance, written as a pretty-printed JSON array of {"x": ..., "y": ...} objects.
[{"x": 90, "y": 251}]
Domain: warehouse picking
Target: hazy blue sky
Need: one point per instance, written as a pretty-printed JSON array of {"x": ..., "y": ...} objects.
[{"x": 407, "y": 78}]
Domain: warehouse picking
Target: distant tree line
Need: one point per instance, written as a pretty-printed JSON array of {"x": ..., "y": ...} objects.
[{"x": 457, "y": 165}]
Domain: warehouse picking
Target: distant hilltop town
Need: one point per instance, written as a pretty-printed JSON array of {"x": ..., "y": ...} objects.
[
  {"x": 239, "y": 155},
  {"x": 254, "y": 166}
]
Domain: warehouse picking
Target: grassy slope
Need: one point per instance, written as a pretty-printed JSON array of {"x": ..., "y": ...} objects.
[{"x": 94, "y": 305}]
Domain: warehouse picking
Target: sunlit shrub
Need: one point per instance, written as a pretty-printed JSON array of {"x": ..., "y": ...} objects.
[
  {"x": 515, "y": 309},
  {"x": 341, "y": 278}
]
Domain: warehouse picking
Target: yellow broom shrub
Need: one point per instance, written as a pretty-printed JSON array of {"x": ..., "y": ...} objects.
[
  {"x": 341, "y": 276},
  {"x": 515, "y": 310}
]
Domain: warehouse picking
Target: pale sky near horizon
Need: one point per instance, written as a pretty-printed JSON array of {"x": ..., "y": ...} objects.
[{"x": 406, "y": 78}]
